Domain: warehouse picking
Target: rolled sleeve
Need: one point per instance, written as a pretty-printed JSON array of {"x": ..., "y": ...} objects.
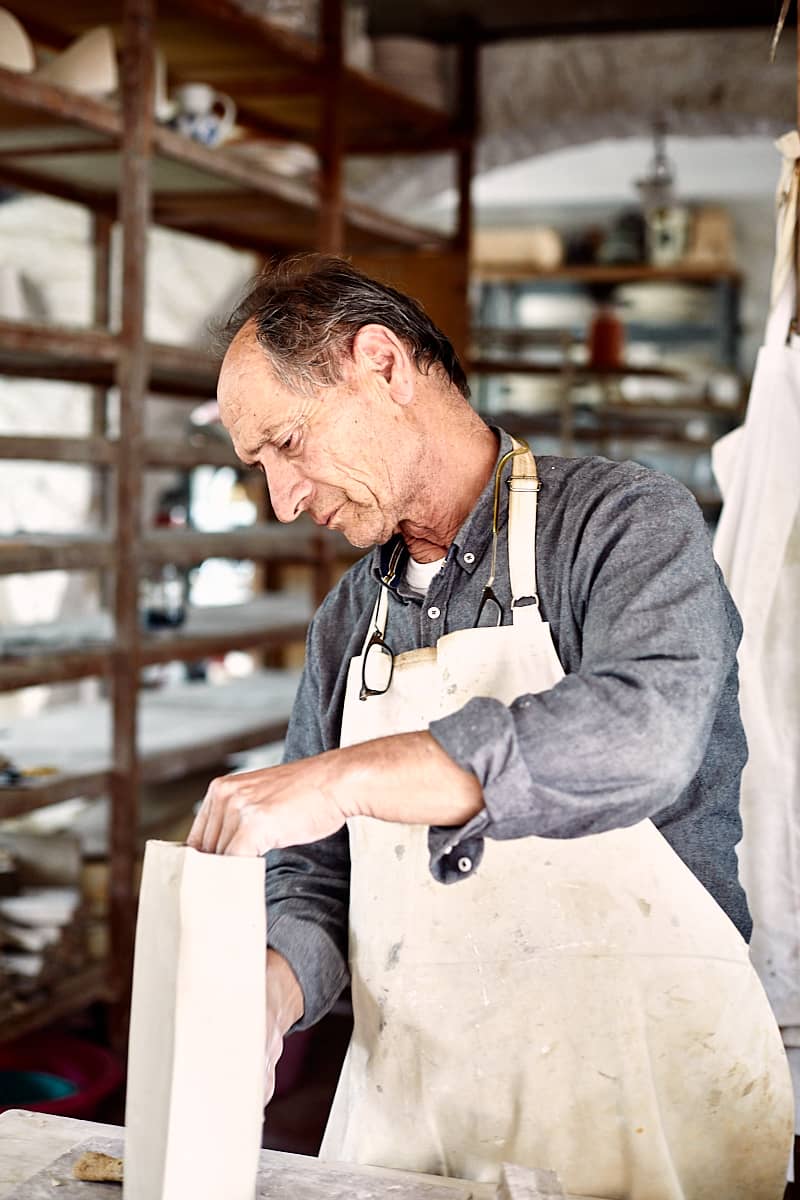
[
  {"x": 316, "y": 960},
  {"x": 619, "y": 739}
]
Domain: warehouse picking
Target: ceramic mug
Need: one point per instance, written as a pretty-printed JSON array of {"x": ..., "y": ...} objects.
[{"x": 203, "y": 114}]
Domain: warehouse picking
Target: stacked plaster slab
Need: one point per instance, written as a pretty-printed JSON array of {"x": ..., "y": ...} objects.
[{"x": 197, "y": 1035}]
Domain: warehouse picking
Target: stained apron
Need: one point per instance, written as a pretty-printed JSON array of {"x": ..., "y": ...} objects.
[{"x": 580, "y": 1004}]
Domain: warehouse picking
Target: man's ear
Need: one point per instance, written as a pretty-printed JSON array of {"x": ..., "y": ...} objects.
[{"x": 378, "y": 351}]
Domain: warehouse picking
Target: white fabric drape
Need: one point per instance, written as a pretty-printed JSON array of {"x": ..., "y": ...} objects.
[{"x": 758, "y": 548}]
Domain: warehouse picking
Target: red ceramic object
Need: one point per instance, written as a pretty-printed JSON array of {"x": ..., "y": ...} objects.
[
  {"x": 94, "y": 1072},
  {"x": 606, "y": 341}
]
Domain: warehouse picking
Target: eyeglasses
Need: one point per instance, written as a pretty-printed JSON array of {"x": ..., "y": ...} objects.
[
  {"x": 377, "y": 659},
  {"x": 488, "y": 596},
  {"x": 377, "y": 667}
]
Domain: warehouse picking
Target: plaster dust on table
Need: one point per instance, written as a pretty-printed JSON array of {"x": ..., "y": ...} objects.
[{"x": 294, "y": 1178}]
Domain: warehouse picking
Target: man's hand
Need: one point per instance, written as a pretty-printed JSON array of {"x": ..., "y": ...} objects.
[
  {"x": 406, "y": 777},
  {"x": 257, "y": 811},
  {"x": 285, "y": 1006}
]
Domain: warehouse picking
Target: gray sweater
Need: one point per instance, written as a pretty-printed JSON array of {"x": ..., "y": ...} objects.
[{"x": 645, "y": 723}]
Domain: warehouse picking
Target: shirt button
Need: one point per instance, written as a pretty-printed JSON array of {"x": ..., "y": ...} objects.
[
  {"x": 434, "y": 612},
  {"x": 464, "y": 865},
  {"x": 469, "y": 557}
]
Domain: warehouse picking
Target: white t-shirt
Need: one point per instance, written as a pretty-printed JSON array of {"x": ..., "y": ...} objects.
[{"x": 419, "y": 575}]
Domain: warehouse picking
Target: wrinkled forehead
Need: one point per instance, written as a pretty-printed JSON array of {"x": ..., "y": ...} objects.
[{"x": 247, "y": 389}]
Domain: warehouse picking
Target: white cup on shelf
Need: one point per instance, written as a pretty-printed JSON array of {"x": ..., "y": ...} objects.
[{"x": 203, "y": 114}]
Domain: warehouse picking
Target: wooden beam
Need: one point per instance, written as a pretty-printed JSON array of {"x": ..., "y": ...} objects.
[
  {"x": 196, "y": 450},
  {"x": 95, "y": 450},
  {"x": 52, "y": 667},
  {"x": 186, "y": 646},
  {"x": 71, "y": 994},
  {"x": 49, "y": 185},
  {"x": 100, "y": 504},
  {"x": 58, "y": 102},
  {"x": 36, "y": 150},
  {"x": 59, "y": 341},
  {"x": 468, "y": 64},
  {"x": 54, "y": 552},
  {"x": 185, "y": 547},
  {"x": 17, "y": 801},
  {"x": 287, "y": 46},
  {"x": 30, "y": 93},
  {"x": 138, "y": 61},
  {"x": 330, "y": 239}
]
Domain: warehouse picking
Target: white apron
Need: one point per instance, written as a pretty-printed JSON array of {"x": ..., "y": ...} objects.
[{"x": 582, "y": 1005}]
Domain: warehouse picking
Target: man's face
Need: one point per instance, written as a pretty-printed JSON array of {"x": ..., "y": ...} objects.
[{"x": 335, "y": 454}]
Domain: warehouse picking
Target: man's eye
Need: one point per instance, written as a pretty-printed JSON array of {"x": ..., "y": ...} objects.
[{"x": 290, "y": 442}]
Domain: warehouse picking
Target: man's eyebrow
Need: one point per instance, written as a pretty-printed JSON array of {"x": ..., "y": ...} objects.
[{"x": 247, "y": 455}]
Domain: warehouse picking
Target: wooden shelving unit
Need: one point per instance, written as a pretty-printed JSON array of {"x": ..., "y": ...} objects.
[
  {"x": 112, "y": 158},
  {"x": 189, "y": 726},
  {"x": 578, "y": 419},
  {"x": 70, "y": 995}
]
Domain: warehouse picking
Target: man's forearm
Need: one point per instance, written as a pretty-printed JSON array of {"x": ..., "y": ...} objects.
[
  {"x": 405, "y": 777},
  {"x": 284, "y": 995}
]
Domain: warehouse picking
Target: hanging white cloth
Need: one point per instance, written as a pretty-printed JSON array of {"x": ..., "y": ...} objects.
[{"x": 758, "y": 548}]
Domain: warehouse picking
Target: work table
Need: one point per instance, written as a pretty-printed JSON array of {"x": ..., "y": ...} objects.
[{"x": 31, "y": 1141}]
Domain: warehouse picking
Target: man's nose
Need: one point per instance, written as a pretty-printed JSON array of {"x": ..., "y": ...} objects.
[{"x": 287, "y": 487}]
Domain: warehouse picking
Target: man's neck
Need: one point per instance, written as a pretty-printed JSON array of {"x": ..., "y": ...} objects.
[{"x": 458, "y": 466}]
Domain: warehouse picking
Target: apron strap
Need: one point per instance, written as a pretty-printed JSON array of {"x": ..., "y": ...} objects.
[
  {"x": 380, "y": 613},
  {"x": 523, "y": 486}
]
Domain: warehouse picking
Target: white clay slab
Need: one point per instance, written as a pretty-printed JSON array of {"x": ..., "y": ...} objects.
[{"x": 198, "y": 1028}]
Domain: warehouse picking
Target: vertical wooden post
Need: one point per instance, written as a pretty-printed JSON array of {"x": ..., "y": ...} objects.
[
  {"x": 132, "y": 379},
  {"x": 331, "y": 132},
  {"x": 468, "y": 100},
  {"x": 101, "y": 317}
]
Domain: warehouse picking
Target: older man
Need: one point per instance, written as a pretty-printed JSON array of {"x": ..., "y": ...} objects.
[{"x": 528, "y": 691}]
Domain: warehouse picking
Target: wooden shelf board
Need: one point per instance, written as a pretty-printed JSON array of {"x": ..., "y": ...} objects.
[
  {"x": 28, "y": 103},
  {"x": 70, "y": 994},
  {"x": 192, "y": 451},
  {"x": 604, "y": 274},
  {"x": 183, "y": 371},
  {"x": 268, "y": 622},
  {"x": 184, "y": 547},
  {"x": 96, "y": 451},
  {"x": 731, "y": 414},
  {"x": 180, "y": 728},
  {"x": 88, "y": 355},
  {"x": 56, "y": 666},
  {"x": 54, "y": 552},
  {"x": 515, "y": 366},
  {"x": 297, "y": 543},
  {"x": 16, "y": 801},
  {"x": 213, "y": 193},
  {"x": 551, "y": 425},
  {"x": 57, "y": 352}
]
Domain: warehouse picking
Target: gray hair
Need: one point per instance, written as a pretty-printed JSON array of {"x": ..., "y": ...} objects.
[{"x": 308, "y": 309}]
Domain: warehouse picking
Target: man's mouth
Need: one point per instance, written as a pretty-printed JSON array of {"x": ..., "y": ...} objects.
[{"x": 326, "y": 521}]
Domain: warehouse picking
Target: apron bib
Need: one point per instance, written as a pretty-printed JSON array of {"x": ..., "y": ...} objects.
[{"x": 580, "y": 1004}]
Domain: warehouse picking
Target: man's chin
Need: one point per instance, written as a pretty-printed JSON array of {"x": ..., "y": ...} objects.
[
  {"x": 361, "y": 541},
  {"x": 362, "y": 538}
]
